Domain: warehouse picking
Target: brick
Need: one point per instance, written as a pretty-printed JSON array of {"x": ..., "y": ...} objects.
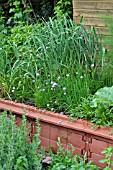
[
  {"x": 44, "y": 143},
  {"x": 45, "y": 130},
  {"x": 58, "y": 132},
  {"x": 95, "y": 158},
  {"x": 76, "y": 139},
  {"x": 18, "y": 120},
  {"x": 97, "y": 146},
  {"x": 54, "y": 146}
]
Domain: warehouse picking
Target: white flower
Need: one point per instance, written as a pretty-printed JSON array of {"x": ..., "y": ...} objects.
[
  {"x": 58, "y": 78},
  {"x": 46, "y": 83},
  {"x": 0, "y": 48},
  {"x": 64, "y": 93},
  {"x": 61, "y": 113},
  {"x": 48, "y": 75},
  {"x": 52, "y": 82},
  {"x": 67, "y": 75},
  {"x": 52, "y": 109},
  {"x": 12, "y": 90},
  {"x": 43, "y": 89},
  {"x": 81, "y": 77},
  {"x": 76, "y": 72},
  {"x": 51, "y": 88},
  {"x": 48, "y": 105},
  {"x": 92, "y": 65},
  {"x": 64, "y": 88},
  {"x": 55, "y": 102},
  {"x": 37, "y": 74}
]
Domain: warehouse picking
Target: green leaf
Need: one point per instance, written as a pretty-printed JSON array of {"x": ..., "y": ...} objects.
[
  {"x": 102, "y": 161},
  {"x": 103, "y": 95}
]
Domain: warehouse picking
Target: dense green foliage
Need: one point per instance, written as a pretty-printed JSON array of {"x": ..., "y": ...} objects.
[
  {"x": 15, "y": 151},
  {"x": 29, "y": 11},
  {"x": 53, "y": 64},
  {"x": 97, "y": 108}
]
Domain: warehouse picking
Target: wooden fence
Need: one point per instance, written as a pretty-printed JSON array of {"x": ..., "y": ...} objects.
[{"x": 95, "y": 13}]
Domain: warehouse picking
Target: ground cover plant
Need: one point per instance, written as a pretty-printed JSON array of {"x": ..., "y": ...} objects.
[{"x": 52, "y": 65}]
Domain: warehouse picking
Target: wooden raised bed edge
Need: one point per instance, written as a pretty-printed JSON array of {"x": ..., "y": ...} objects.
[{"x": 79, "y": 133}]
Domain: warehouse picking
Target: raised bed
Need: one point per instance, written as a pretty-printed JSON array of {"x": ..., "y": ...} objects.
[{"x": 79, "y": 133}]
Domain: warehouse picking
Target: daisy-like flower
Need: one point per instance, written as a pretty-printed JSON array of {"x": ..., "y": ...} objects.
[
  {"x": 65, "y": 93},
  {"x": 76, "y": 73},
  {"x": 52, "y": 109},
  {"x": 48, "y": 105}
]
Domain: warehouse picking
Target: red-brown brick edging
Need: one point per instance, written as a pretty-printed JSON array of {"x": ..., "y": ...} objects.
[{"x": 79, "y": 133}]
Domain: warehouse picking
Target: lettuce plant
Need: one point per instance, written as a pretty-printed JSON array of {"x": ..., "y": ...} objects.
[{"x": 104, "y": 96}]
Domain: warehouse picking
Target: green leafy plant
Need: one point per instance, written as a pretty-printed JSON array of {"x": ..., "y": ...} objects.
[
  {"x": 104, "y": 96},
  {"x": 19, "y": 14},
  {"x": 96, "y": 108},
  {"x": 108, "y": 155},
  {"x": 64, "y": 160},
  {"x": 63, "y": 8},
  {"x": 16, "y": 153}
]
